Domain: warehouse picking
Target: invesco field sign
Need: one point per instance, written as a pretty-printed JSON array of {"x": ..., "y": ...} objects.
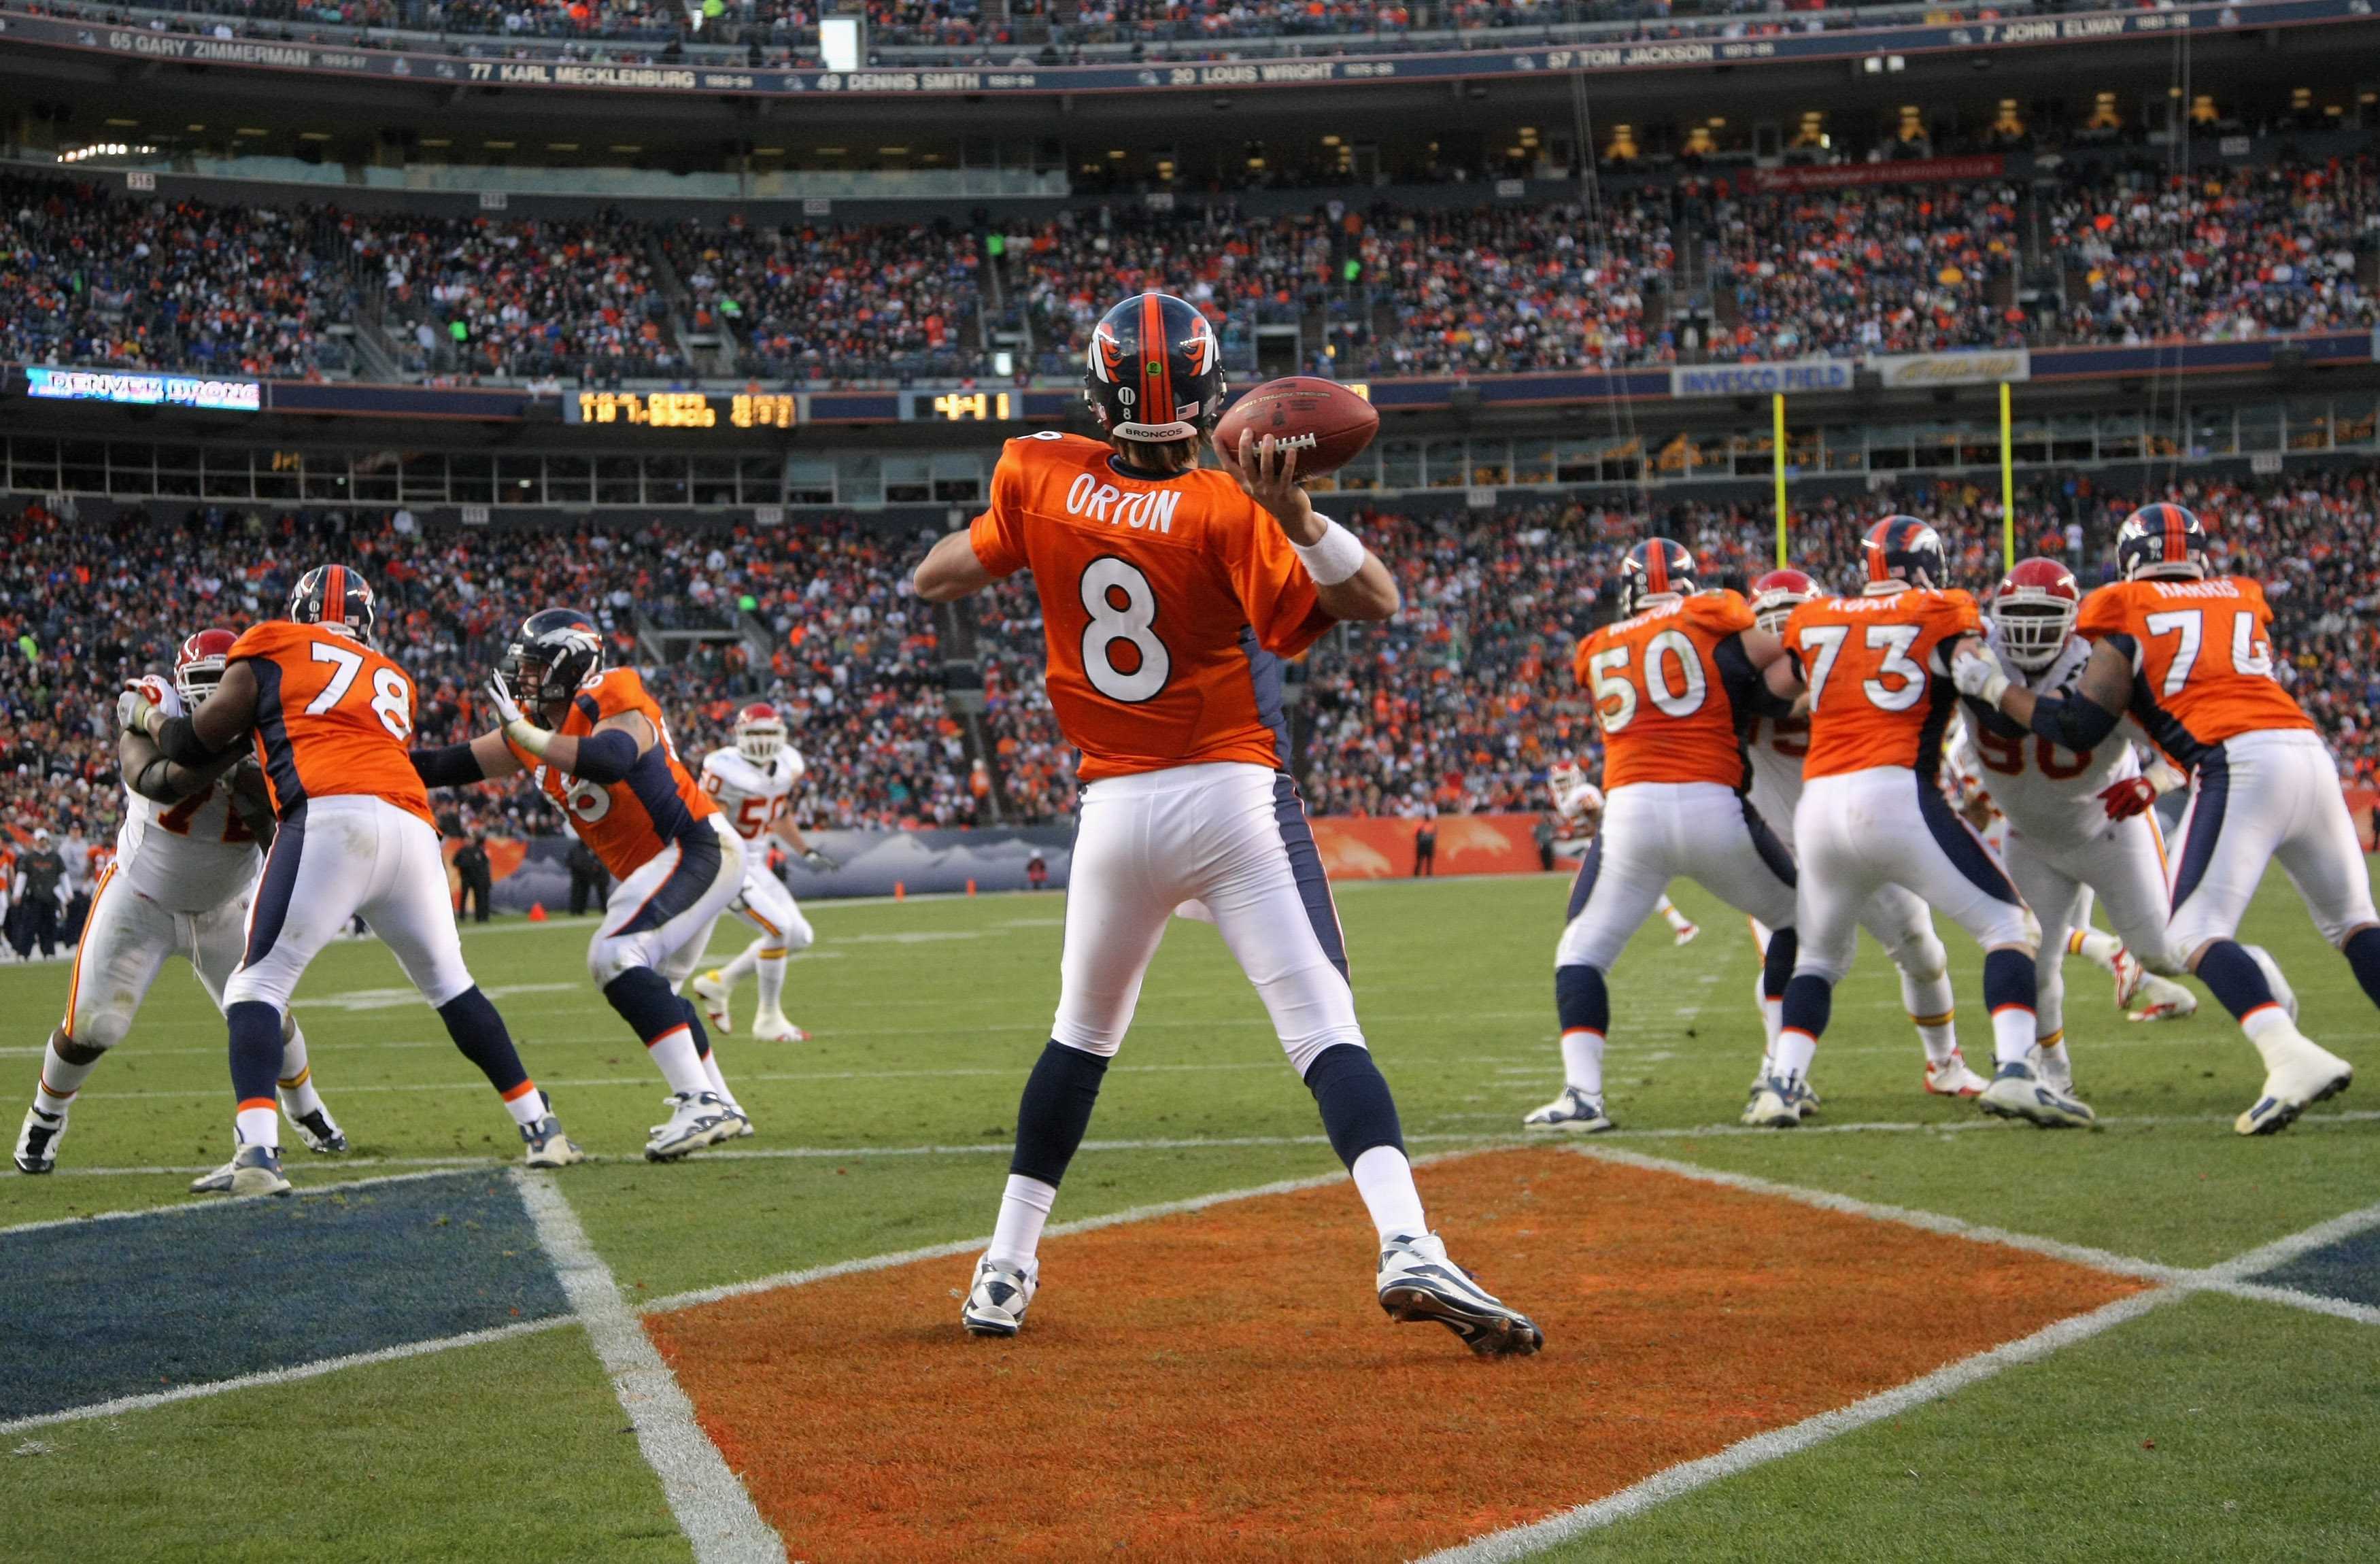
[{"x": 1803, "y": 376}]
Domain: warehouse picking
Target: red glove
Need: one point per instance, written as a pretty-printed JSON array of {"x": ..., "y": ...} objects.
[{"x": 2132, "y": 796}]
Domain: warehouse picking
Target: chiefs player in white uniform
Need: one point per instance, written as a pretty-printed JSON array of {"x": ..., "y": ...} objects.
[
  {"x": 1896, "y": 917},
  {"x": 2076, "y": 824},
  {"x": 752, "y": 781},
  {"x": 186, "y": 866}
]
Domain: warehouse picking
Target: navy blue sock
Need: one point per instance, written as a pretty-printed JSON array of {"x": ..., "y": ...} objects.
[
  {"x": 1581, "y": 1000},
  {"x": 2008, "y": 979},
  {"x": 480, "y": 1033},
  {"x": 646, "y": 1002},
  {"x": 1357, "y": 1111},
  {"x": 255, "y": 1050},
  {"x": 1777, "y": 967},
  {"x": 1055, "y": 1110},
  {"x": 2362, "y": 953},
  {"x": 2235, "y": 980},
  {"x": 693, "y": 1025},
  {"x": 1809, "y": 1003}
]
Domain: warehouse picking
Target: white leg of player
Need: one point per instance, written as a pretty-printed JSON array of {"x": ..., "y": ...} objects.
[
  {"x": 769, "y": 907},
  {"x": 1902, "y": 924},
  {"x": 125, "y": 940}
]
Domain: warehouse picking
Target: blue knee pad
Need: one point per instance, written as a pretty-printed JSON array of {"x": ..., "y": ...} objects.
[
  {"x": 1357, "y": 1111},
  {"x": 1055, "y": 1110},
  {"x": 1776, "y": 966},
  {"x": 471, "y": 1020},
  {"x": 255, "y": 1050},
  {"x": 1809, "y": 1004},
  {"x": 2235, "y": 980},
  {"x": 2010, "y": 978},
  {"x": 1583, "y": 1000}
]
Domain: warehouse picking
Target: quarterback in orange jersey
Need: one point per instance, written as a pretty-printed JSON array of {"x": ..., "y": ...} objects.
[
  {"x": 1877, "y": 668},
  {"x": 2187, "y": 654},
  {"x": 1170, "y": 595},
  {"x": 602, "y": 750},
  {"x": 1676, "y": 679},
  {"x": 330, "y": 718}
]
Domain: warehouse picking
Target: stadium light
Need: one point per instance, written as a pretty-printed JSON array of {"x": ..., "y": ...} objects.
[{"x": 839, "y": 43}]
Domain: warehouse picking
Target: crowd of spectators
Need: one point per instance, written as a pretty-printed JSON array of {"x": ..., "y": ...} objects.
[
  {"x": 1457, "y": 705},
  {"x": 2104, "y": 256}
]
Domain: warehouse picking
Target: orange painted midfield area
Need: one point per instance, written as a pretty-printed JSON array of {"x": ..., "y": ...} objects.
[{"x": 1224, "y": 1385}]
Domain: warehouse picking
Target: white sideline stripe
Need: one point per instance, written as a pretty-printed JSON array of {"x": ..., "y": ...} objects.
[
  {"x": 970, "y": 1246},
  {"x": 283, "y": 1375},
  {"x": 1499, "y": 1547},
  {"x": 213, "y": 1203},
  {"x": 710, "y": 1503}
]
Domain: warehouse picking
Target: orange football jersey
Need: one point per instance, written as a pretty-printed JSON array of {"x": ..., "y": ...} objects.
[
  {"x": 1662, "y": 698},
  {"x": 1881, "y": 689},
  {"x": 1166, "y": 603},
  {"x": 333, "y": 717},
  {"x": 654, "y": 805},
  {"x": 2202, "y": 659}
]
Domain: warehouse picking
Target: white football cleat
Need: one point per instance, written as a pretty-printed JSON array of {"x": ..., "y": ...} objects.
[
  {"x": 740, "y": 1123},
  {"x": 713, "y": 990},
  {"x": 548, "y": 1147},
  {"x": 697, "y": 1119},
  {"x": 2016, "y": 1091},
  {"x": 1952, "y": 1078},
  {"x": 2128, "y": 975},
  {"x": 2306, "y": 1073},
  {"x": 2056, "y": 1073},
  {"x": 771, "y": 1026},
  {"x": 1417, "y": 1282},
  {"x": 37, "y": 1142},
  {"x": 1685, "y": 932},
  {"x": 1575, "y": 1112},
  {"x": 996, "y": 1303},
  {"x": 319, "y": 1131},
  {"x": 1775, "y": 1105},
  {"x": 253, "y": 1170},
  {"x": 2282, "y": 992},
  {"x": 2167, "y": 1000}
]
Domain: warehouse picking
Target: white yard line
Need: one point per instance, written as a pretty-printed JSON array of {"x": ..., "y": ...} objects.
[
  {"x": 710, "y": 1503},
  {"x": 212, "y": 1203},
  {"x": 1519, "y": 1542}
]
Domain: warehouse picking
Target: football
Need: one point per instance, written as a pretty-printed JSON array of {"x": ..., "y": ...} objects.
[{"x": 1326, "y": 424}]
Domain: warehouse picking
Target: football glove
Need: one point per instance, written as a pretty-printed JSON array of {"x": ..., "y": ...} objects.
[
  {"x": 2132, "y": 796},
  {"x": 523, "y": 734},
  {"x": 1979, "y": 678},
  {"x": 814, "y": 859},
  {"x": 142, "y": 696}
]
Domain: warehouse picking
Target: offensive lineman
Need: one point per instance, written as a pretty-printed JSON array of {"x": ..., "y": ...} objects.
[
  {"x": 752, "y": 780},
  {"x": 600, "y": 749},
  {"x": 1676, "y": 679},
  {"x": 1878, "y": 671},
  {"x": 1170, "y": 594},
  {"x": 331, "y": 717},
  {"x": 185, "y": 864},
  {"x": 2079, "y": 824},
  {"x": 1896, "y": 917},
  {"x": 2186, "y": 655}
]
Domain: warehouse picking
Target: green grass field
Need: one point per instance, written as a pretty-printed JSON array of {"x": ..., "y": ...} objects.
[{"x": 2212, "y": 1428}]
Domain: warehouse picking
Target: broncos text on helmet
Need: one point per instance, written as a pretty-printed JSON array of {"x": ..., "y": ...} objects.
[
  {"x": 2163, "y": 540},
  {"x": 335, "y": 597},
  {"x": 1155, "y": 371},
  {"x": 1657, "y": 567},
  {"x": 1904, "y": 550}
]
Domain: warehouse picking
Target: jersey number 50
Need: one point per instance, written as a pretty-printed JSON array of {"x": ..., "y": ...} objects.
[
  {"x": 1615, "y": 696},
  {"x": 1122, "y": 607}
]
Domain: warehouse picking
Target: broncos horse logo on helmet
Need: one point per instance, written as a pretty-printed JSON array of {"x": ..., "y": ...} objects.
[
  {"x": 335, "y": 597},
  {"x": 2161, "y": 539},
  {"x": 1903, "y": 552},
  {"x": 1656, "y": 569},
  {"x": 553, "y": 655},
  {"x": 1154, "y": 371}
]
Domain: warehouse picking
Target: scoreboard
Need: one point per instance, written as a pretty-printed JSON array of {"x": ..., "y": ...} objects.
[{"x": 683, "y": 409}]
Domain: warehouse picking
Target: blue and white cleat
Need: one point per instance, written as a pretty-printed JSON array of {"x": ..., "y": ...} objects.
[
  {"x": 319, "y": 1132},
  {"x": 2016, "y": 1091},
  {"x": 1776, "y": 1104},
  {"x": 1575, "y": 1112},
  {"x": 37, "y": 1142},
  {"x": 996, "y": 1303},
  {"x": 1417, "y": 1282},
  {"x": 253, "y": 1170},
  {"x": 2303, "y": 1074},
  {"x": 697, "y": 1119},
  {"x": 548, "y": 1147}
]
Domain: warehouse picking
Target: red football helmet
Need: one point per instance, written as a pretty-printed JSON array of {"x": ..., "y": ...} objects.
[
  {"x": 198, "y": 665},
  {"x": 1777, "y": 594},
  {"x": 2033, "y": 609},
  {"x": 760, "y": 733}
]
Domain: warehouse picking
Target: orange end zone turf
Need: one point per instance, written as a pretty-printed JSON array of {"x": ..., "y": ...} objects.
[{"x": 1224, "y": 1385}]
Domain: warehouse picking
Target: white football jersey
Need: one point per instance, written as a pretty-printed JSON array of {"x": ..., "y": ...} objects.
[
  {"x": 2048, "y": 794},
  {"x": 751, "y": 794},
  {"x": 1777, "y": 751},
  {"x": 187, "y": 858}
]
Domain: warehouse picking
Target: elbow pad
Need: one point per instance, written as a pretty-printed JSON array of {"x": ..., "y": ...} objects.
[
  {"x": 180, "y": 741},
  {"x": 452, "y": 765},
  {"x": 604, "y": 758},
  {"x": 2074, "y": 722}
]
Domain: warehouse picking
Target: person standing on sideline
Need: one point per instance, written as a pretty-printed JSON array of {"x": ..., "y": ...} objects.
[
  {"x": 1169, "y": 596},
  {"x": 479, "y": 877},
  {"x": 41, "y": 889},
  {"x": 1425, "y": 847},
  {"x": 589, "y": 880}
]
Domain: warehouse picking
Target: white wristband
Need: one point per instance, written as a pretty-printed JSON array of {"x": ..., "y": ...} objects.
[
  {"x": 1336, "y": 558},
  {"x": 529, "y": 735}
]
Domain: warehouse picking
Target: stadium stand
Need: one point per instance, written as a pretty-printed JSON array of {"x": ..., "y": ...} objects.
[{"x": 1457, "y": 705}]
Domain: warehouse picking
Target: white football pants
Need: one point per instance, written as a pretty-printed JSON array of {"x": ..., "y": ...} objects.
[
  {"x": 2259, "y": 797},
  {"x": 1233, "y": 837},
  {"x": 125, "y": 944},
  {"x": 660, "y": 915},
  {"x": 1654, "y": 832},
  {"x": 2124, "y": 869}
]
